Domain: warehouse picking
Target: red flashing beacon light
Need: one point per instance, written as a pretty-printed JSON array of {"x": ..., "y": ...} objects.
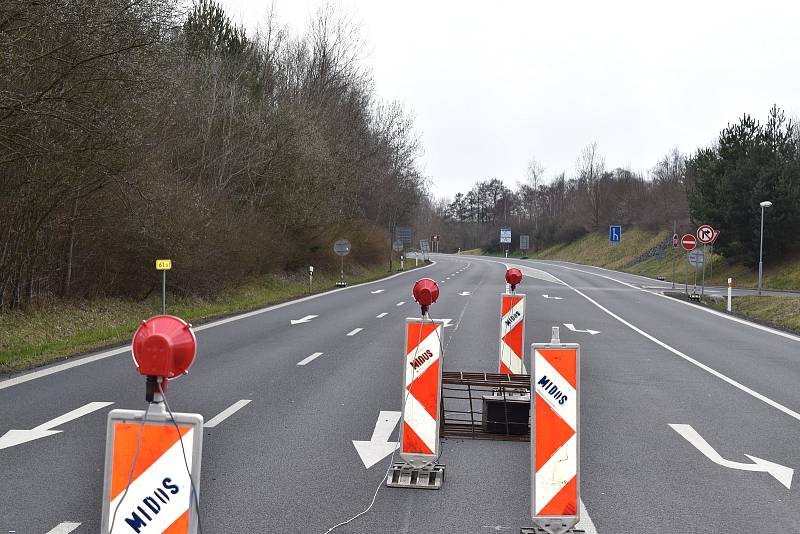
[
  {"x": 425, "y": 292},
  {"x": 513, "y": 277},
  {"x": 163, "y": 347}
]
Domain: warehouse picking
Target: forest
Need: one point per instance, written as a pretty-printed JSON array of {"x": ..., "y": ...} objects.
[{"x": 131, "y": 131}]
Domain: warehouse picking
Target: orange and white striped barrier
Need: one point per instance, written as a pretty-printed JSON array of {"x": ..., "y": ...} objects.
[
  {"x": 555, "y": 445},
  {"x": 422, "y": 386},
  {"x": 155, "y": 494},
  {"x": 512, "y": 334}
]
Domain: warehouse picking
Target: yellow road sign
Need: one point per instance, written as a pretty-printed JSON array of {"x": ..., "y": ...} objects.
[{"x": 163, "y": 265}]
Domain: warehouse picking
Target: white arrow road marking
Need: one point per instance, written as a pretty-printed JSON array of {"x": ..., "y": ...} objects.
[
  {"x": 401, "y": 303},
  {"x": 464, "y": 293},
  {"x": 782, "y": 473},
  {"x": 64, "y": 528},
  {"x": 377, "y": 291},
  {"x": 18, "y": 437},
  {"x": 554, "y": 298},
  {"x": 309, "y": 359},
  {"x": 354, "y": 331},
  {"x": 572, "y": 327},
  {"x": 305, "y": 319},
  {"x": 446, "y": 322},
  {"x": 227, "y": 412},
  {"x": 379, "y": 446},
  {"x": 381, "y": 315}
]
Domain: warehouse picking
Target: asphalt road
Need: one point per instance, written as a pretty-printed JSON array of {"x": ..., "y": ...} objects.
[{"x": 285, "y": 462}]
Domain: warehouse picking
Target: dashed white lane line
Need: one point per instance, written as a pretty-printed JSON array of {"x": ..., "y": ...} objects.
[
  {"x": 64, "y": 528},
  {"x": 354, "y": 331},
  {"x": 227, "y": 412},
  {"x": 381, "y": 315},
  {"x": 401, "y": 303},
  {"x": 309, "y": 359}
]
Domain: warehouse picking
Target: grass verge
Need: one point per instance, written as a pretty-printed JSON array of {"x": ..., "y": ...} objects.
[
  {"x": 778, "y": 311},
  {"x": 39, "y": 336}
]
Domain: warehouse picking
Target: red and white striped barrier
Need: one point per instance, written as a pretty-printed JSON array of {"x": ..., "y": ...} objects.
[
  {"x": 159, "y": 497},
  {"x": 512, "y": 334},
  {"x": 422, "y": 386},
  {"x": 555, "y": 447}
]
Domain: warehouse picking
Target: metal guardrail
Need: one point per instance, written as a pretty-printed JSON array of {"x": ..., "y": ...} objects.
[{"x": 485, "y": 406}]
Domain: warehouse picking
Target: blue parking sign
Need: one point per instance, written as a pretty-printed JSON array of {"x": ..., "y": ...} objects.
[{"x": 615, "y": 233}]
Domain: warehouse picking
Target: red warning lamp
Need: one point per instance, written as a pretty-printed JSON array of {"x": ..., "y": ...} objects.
[
  {"x": 164, "y": 346},
  {"x": 513, "y": 277},
  {"x": 425, "y": 292}
]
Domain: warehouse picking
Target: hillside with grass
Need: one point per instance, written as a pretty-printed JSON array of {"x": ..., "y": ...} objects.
[{"x": 651, "y": 254}]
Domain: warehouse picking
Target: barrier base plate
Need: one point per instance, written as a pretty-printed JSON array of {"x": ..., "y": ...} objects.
[
  {"x": 539, "y": 530},
  {"x": 404, "y": 476}
]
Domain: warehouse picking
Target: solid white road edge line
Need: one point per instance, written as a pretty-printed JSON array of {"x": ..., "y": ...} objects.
[
  {"x": 227, "y": 412},
  {"x": 354, "y": 331},
  {"x": 586, "y": 522},
  {"x": 64, "y": 528},
  {"x": 309, "y": 359},
  {"x": 21, "y": 379}
]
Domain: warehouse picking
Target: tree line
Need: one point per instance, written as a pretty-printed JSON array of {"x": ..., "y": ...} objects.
[
  {"x": 131, "y": 131},
  {"x": 721, "y": 185}
]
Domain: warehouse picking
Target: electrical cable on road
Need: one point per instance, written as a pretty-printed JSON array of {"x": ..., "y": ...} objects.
[{"x": 391, "y": 459}]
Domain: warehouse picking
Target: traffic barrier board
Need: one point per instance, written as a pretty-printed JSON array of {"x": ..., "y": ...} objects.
[
  {"x": 512, "y": 334},
  {"x": 555, "y": 446},
  {"x": 154, "y": 495},
  {"x": 688, "y": 242},
  {"x": 422, "y": 386}
]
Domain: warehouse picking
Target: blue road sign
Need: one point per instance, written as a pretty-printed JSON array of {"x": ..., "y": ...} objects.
[{"x": 615, "y": 233}]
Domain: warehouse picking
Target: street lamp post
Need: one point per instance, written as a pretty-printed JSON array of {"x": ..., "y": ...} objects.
[{"x": 765, "y": 204}]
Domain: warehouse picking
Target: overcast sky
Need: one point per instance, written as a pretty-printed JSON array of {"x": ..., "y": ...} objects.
[{"x": 493, "y": 84}]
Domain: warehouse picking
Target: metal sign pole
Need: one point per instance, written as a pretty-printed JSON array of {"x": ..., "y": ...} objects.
[
  {"x": 674, "y": 233},
  {"x": 686, "y": 276},
  {"x": 163, "y": 292},
  {"x": 703, "y": 286}
]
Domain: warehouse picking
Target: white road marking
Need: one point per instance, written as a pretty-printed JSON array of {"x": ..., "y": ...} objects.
[
  {"x": 227, "y": 412},
  {"x": 571, "y": 326},
  {"x": 446, "y": 322},
  {"x": 381, "y": 315},
  {"x": 401, "y": 303},
  {"x": 442, "y": 281},
  {"x": 553, "y": 298},
  {"x": 27, "y": 377},
  {"x": 309, "y": 359},
  {"x": 354, "y": 331},
  {"x": 305, "y": 319},
  {"x": 64, "y": 528},
  {"x": 18, "y": 437},
  {"x": 464, "y": 294},
  {"x": 379, "y": 446},
  {"x": 781, "y": 473},
  {"x": 586, "y": 522},
  {"x": 377, "y": 291}
]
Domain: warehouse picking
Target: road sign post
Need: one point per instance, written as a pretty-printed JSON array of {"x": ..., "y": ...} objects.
[
  {"x": 342, "y": 249},
  {"x": 730, "y": 293},
  {"x": 505, "y": 237},
  {"x": 310, "y": 278},
  {"x": 615, "y": 233},
  {"x": 524, "y": 245},
  {"x": 675, "y": 243},
  {"x": 555, "y": 434},
  {"x": 163, "y": 266}
]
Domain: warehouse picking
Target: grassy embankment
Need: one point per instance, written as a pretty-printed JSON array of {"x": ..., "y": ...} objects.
[
  {"x": 594, "y": 249},
  {"x": 35, "y": 337}
]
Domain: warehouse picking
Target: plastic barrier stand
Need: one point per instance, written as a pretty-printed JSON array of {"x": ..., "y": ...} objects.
[
  {"x": 159, "y": 497},
  {"x": 422, "y": 387},
  {"x": 555, "y": 413},
  {"x": 512, "y": 334}
]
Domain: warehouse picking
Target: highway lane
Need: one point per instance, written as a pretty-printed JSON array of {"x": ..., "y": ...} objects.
[{"x": 285, "y": 461}]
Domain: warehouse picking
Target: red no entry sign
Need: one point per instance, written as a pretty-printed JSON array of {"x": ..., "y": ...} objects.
[{"x": 688, "y": 242}]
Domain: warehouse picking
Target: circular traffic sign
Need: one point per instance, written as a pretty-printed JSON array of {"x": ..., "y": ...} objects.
[
  {"x": 706, "y": 234},
  {"x": 688, "y": 242},
  {"x": 342, "y": 247},
  {"x": 397, "y": 246}
]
